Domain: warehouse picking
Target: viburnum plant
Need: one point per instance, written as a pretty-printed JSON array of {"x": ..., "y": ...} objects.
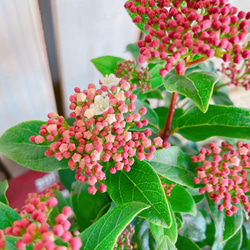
[{"x": 128, "y": 154}]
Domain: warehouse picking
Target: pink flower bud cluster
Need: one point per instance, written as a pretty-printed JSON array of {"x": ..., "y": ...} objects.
[
  {"x": 178, "y": 29},
  {"x": 223, "y": 172},
  {"x": 123, "y": 241},
  {"x": 128, "y": 72},
  {"x": 100, "y": 132},
  {"x": 32, "y": 228},
  {"x": 238, "y": 77},
  {"x": 168, "y": 188}
]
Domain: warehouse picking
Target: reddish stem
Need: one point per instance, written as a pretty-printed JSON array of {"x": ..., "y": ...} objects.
[
  {"x": 200, "y": 60},
  {"x": 166, "y": 132}
]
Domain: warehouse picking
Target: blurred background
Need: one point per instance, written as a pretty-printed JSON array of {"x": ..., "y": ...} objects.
[{"x": 45, "y": 51}]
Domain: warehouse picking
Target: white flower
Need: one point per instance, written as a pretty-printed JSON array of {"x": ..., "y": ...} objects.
[
  {"x": 110, "y": 80},
  {"x": 89, "y": 113},
  {"x": 101, "y": 104}
]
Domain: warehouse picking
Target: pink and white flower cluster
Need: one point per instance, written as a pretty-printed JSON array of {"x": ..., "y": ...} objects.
[
  {"x": 33, "y": 229},
  {"x": 123, "y": 241},
  {"x": 102, "y": 132},
  {"x": 237, "y": 76},
  {"x": 179, "y": 29},
  {"x": 223, "y": 172}
]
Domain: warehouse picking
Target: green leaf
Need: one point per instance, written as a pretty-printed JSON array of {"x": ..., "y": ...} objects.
[
  {"x": 15, "y": 144},
  {"x": 233, "y": 224},
  {"x": 104, "y": 232},
  {"x": 197, "y": 86},
  {"x": 133, "y": 48},
  {"x": 106, "y": 64},
  {"x": 184, "y": 243},
  {"x": 155, "y": 94},
  {"x": 88, "y": 208},
  {"x": 227, "y": 226},
  {"x": 156, "y": 80},
  {"x": 171, "y": 164},
  {"x": 179, "y": 220},
  {"x": 141, "y": 184},
  {"x": 159, "y": 232},
  {"x": 224, "y": 121},
  {"x": 67, "y": 177},
  {"x": 235, "y": 242},
  {"x": 166, "y": 244},
  {"x": 10, "y": 242},
  {"x": 182, "y": 201},
  {"x": 3, "y": 188},
  {"x": 7, "y": 216},
  {"x": 151, "y": 116},
  {"x": 143, "y": 235}
]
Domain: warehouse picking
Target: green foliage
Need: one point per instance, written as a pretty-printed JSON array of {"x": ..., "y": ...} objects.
[
  {"x": 3, "y": 188},
  {"x": 197, "y": 86},
  {"x": 67, "y": 177},
  {"x": 104, "y": 232},
  {"x": 182, "y": 201},
  {"x": 172, "y": 164},
  {"x": 15, "y": 144},
  {"x": 141, "y": 184},
  {"x": 224, "y": 121},
  {"x": 7, "y": 216},
  {"x": 184, "y": 243},
  {"x": 88, "y": 208},
  {"x": 156, "y": 80},
  {"x": 106, "y": 64}
]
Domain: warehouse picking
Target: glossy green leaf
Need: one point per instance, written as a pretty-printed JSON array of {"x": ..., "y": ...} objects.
[
  {"x": 159, "y": 232},
  {"x": 235, "y": 242},
  {"x": 143, "y": 235},
  {"x": 10, "y": 242},
  {"x": 184, "y": 243},
  {"x": 179, "y": 220},
  {"x": 182, "y": 201},
  {"x": 162, "y": 114},
  {"x": 171, "y": 164},
  {"x": 218, "y": 218},
  {"x": 88, "y": 208},
  {"x": 227, "y": 226},
  {"x": 197, "y": 86},
  {"x": 15, "y": 144},
  {"x": 106, "y": 64},
  {"x": 156, "y": 80},
  {"x": 67, "y": 177},
  {"x": 233, "y": 224},
  {"x": 155, "y": 94},
  {"x": 225, "y": 121},
  {"x": 3, "y": 188},
  {"x": 166, "y": 244},
  {"x": 244, "y": 239},
  {"x": 133, "y": 48},
  {"x": 7, "y": 216},
  {"x": 141, "y": 184},
  {"x": 104, "y": 232}
]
